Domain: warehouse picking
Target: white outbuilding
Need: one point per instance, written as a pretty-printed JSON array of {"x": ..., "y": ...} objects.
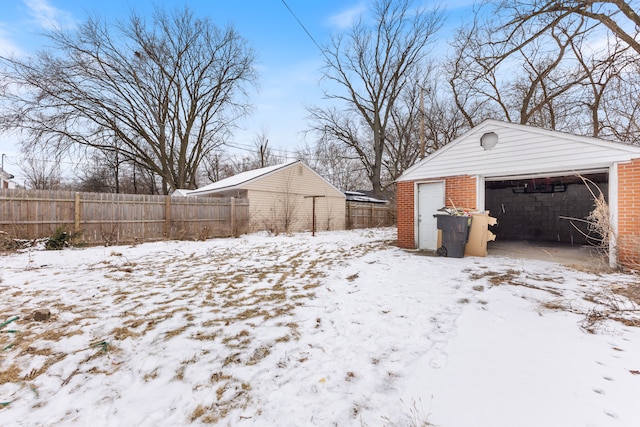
[{"x": 282, "y": 198}]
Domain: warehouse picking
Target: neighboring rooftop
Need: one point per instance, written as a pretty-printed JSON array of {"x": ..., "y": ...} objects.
[
  {"x": 360, "y": 196},
  {"x": 233, "y": 181},
  {"x": 5, "y": 175}
]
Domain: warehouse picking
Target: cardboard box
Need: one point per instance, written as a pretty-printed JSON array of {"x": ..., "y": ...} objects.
[{"x": 479, "y": 234}]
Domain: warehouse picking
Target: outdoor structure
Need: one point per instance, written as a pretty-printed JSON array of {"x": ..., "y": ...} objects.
[
  {"x": 364, "y": 211},
  {"x": 531, "y": 179},
  {"x": 282, "y": 198},
  {"x": 5, "y": 179},
  {"x": 363, "y": 197}
]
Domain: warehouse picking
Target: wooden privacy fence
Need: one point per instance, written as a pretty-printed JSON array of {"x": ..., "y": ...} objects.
[
  {"x": 365, "y": 215},
  {"x": 106, "y": 218}
]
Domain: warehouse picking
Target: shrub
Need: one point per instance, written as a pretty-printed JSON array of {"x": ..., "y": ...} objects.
[{"x": 59, "y": 240}]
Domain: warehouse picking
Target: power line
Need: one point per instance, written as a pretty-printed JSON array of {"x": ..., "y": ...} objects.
[
  {"x": 303, "y": 27},
  {"x": 253, "y": 148}
]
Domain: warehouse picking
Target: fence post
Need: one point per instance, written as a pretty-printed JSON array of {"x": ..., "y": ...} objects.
[
  {"x": 348, "y": 214},
  {"x": 371, "y": 217},
  {"x": 233, "y": 216},
  {"x": 167, "y": 217},
  {"x": 76, "y": 207}
]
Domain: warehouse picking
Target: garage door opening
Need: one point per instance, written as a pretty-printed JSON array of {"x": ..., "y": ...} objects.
[{"x": 533, "y": 209}]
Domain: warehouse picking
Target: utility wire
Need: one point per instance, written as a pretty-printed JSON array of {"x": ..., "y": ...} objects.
[{"x": 303, "y": 27}]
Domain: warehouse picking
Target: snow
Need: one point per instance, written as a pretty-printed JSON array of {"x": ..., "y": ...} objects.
[
  {"x": 341, "y": 329},
  {"x": 356, "y": 196}
]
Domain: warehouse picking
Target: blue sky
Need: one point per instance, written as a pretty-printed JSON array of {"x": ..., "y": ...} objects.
[{"x": 288, "y": 61}]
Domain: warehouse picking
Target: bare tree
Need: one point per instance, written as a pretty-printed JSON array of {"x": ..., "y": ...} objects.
[
  {"x": 96, "y": 175},
  {"x": 443, "y": 121},
  {"x": 619, "y": 17},
  {"x": 559, "y": 65},
  {"x": 372, "y": 65},
  {"x": 423, "y": 120},
  {"x": 42, "y": 171},
  {"x": 337, "y": 163},
  {"x": 168, "y": 91},
  {"x": 498, "y": 75},
  {"x": 610, "y": 82},
  {"x": 265, "y": 155},
  {"x": 403, "y": 135},
  {"x": 222, "y": 164},
  {"x": 621, "y": 113}
]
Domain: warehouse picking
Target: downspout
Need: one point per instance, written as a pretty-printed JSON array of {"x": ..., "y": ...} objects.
[
  {"x": 416, "y": 217},
  {"x": 613, "y": 214}
]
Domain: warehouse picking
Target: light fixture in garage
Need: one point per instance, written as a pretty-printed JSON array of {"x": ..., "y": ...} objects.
[{"x": 489, "y": 140}]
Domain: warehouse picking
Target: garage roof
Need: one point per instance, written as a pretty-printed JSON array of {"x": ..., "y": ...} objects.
[
  {"x": 242, "y": 180},
  {"x": 520, "y": 149},
  {"x": 238, "y": 180}
]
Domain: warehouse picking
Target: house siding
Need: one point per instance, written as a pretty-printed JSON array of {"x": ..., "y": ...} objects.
[
  {"x": 629, "y": 213},
  {"x": 546, "y": 152},
  {"x": 278, "y": 201}
]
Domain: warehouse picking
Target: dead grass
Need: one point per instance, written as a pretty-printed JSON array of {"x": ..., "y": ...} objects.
[
  {"x": 10, "y": 374},
  {"x": 123, "y": 333},
  {"x": 151, "y": 375},
  {"x": 258, "y": 354},
  {"x": 606, "y": 306},
  {"x": 495, "y": 278},
  {"x": 203, "y": 336},
  {"x": 620, "y": 303},
  {"x": 210, "y": 303},
  {"x": 630, "y": 291},
  {"x": 515, "y": 278},
  {"x": 176, "y": 332},
  {"x": 414, "y": 416},
  {"x": 51, "y": 360}
]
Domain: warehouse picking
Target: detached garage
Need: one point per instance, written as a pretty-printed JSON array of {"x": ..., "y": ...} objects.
[
  {"x": 532, "y": 180},
  {"x": 282, "y": 198}
]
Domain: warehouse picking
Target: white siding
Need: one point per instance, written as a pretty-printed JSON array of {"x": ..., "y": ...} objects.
[
  {"x": 520, "y": 150},
  {"x": 283, "y": 191}
]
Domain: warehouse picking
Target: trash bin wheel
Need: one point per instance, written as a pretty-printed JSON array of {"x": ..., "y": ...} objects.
[{"x": 441, "y": 251}]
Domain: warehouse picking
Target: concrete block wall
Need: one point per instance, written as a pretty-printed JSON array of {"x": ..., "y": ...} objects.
[
  {"x": 629, "y": 214},
  {"x": 536, "y": 216}
]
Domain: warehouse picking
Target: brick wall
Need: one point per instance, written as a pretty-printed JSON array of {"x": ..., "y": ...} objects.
[
  {"x": 459, "y": 190},
  {"x": 629, "y": 213},
  {"x": 405, "y": 215}
]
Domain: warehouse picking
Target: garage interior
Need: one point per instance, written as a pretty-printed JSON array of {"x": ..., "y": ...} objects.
[{"x": 535, "y": 210}]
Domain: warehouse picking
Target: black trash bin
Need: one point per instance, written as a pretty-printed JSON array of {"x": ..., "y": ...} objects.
[{"x": 455, "y": 233}]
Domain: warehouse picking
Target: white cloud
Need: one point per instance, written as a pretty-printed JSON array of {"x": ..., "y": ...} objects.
[
  {"x": 47, "y": 16},
  {"x": 345, "y": 19},
  {"x": 7, "y": 47}
]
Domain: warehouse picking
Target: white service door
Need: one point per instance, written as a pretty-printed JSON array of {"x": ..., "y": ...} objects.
[{"x": 430, "y": 199}]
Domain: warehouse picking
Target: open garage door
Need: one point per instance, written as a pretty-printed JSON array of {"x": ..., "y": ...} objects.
[{"x": 534, "y": 207}]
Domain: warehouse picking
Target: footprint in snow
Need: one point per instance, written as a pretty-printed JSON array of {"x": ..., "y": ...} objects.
[{"x": 439, "y": 358}]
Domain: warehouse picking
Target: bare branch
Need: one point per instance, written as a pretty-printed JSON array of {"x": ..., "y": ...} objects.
[{"x": 165, "y": 93}]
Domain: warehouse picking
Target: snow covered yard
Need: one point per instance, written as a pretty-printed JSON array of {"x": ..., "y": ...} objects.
[{"x": 339, "y": 329}]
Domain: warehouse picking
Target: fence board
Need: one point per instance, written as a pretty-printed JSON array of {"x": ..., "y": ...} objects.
[
  {"x": 366, "y": 215},
  {"x": 106, "y": 218}
]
